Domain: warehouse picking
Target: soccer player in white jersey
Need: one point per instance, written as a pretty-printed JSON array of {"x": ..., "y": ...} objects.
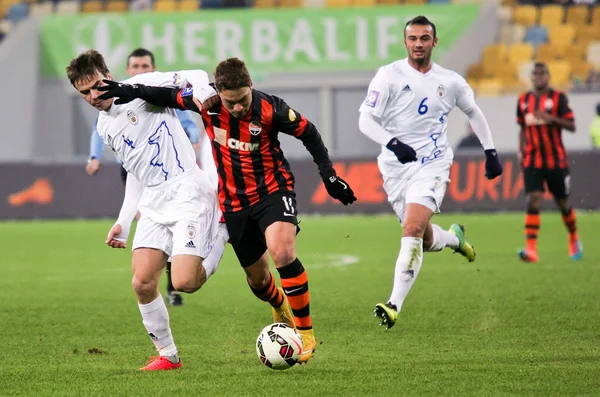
[
  {"x": 406, "y": 111},
  {"x": 177, "y": 202}
]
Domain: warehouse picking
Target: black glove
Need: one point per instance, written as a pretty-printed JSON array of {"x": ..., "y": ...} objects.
[
  {"x": 125, "y": 92},
  {"x": 493, "y": 167},
  {"x": 339, "y": 189},
  {"x": 403, "y": 152}
]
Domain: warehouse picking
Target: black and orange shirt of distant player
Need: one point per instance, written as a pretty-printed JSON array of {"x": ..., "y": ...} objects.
[
  {"x": 247, "y": 151},
  {"x": 543, "y": 142}
]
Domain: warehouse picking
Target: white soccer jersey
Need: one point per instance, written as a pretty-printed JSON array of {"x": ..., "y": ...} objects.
[
  {"x": 149, "y": 140},
  {"x": 413, "y": 107}
]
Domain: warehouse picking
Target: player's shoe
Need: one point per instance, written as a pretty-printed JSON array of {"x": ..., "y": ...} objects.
[
  {"x": 527, "y": 255},
  {"x": 387, "y": 314},
  {"x": 174, "y": 298},
  {"x": 464, "y": 248},
  {"x": 160, "y": 363},
  {"x": 283, "y": 314},
  {"x": 575, "y": 250},
  {"x": 309, "y": 345}
]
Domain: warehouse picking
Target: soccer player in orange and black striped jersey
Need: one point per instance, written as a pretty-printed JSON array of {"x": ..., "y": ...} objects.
[
  {"x": 256, "y": 184},
  {"x": 542, "y": 114}
]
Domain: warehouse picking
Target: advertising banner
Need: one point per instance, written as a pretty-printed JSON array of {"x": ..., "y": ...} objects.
[
  {"x": 278, "y": 40},
  {"x": 66, "y": 191}
]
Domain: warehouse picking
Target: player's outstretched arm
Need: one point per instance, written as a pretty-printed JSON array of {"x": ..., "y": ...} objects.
[
  {"x": 118, "y": 234},
  {"x": 290, "y": 122},
  {"x": 466, "y": 103}
]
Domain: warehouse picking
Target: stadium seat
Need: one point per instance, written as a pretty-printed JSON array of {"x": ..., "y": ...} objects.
[
  {"x": 68, "y": 7},
  {"x": 577, "y": 15},
  {"x": 165, "y": 6},
  {"x": 560, "y": 72},
  {"x": 337, "y": 3},
  {"x": 389, "y": 1},
  {"x": 17, "y": 12},
  {"x": 595, "y": 18},
  {"x": 117, "y": 6},
  {"x": 512, "y": 33},
  {"x": 576, "y": 51},
  {"x": 290, "y": 3},
  {"x": 264, "y": 3},
  {"x": 524, "y": 72},
  {"x": 489, "y": 87},
  {"x": 414, "y": 1},
  {"x": 536, "y": 35},
  {"x": 593, "y": 53},
  {"x": 580, "y": 69},
  {"x": 561, "y": 34},
  {"x": 92, "y": 6},
  {"x": 549, "y": 52},
  {"x": 526, "y": 15},
  {"x": 505, "y": 15},
  {"x": 475, "y": 71},
  {"x": 189, "y": 5},
  {"x": 493, "y": 54},
  {"x": 518, "y": 53},
  {"x": 364, "y": 3},
  {"x": 551, "y": 15},
  {"x": 40, "y": 10}
]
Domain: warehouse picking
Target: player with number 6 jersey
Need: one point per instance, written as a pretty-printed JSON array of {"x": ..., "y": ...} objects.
[
  {"x": 405, "y": 111},
  {"x": 177, "y": 202}
]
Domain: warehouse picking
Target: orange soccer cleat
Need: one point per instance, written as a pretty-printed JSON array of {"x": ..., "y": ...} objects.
[
  {"x": 40, "y": 192},
  {"x": 160, "y": 363}
]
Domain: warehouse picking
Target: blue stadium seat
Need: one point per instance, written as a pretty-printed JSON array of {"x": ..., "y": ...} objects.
[
  {"x": 17, "y": 12},
  {"x": 536, "y": 35},
  {"x": 439, "y": 1}
]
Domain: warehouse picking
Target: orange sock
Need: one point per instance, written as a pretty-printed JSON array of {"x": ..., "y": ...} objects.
[
  {"x": 295, "y": 285},
  {"x": 532, "y": 228},
  {"x": 269, "y": 293},
  {"x": 570, "y": 221}
]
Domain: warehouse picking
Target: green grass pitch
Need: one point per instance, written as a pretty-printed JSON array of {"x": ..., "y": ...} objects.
[{"x": 70, "y": 325}]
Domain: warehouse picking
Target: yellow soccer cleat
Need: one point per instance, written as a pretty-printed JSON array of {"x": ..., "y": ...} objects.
[
  {"x": 387, "y": 314},
  {"x": 309, "y": 345},
  {"x": 464, "y": 248},
  {"x": 283, "y": 314}
]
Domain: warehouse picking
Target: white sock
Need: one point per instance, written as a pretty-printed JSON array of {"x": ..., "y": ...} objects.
[
  {"x": 211, "y": 262},
  {"x": 156, "y": 320},
  {"x": 442, "y": 239},
  {"x": 408, "y": 265}
]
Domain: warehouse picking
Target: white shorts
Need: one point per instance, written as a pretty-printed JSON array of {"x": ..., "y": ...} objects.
[
  {"x": 180, "y": 216},
  {"x": 421, "y": 184}
]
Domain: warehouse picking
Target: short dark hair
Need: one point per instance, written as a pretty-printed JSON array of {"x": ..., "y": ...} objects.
[
  {"x": 141, "y": 52},
  {"x": 422, "y": 21},
  {"x": 540, "y": 65},
  {"x": 232, "y": 74},
  {"x": 86, "y": 65}
]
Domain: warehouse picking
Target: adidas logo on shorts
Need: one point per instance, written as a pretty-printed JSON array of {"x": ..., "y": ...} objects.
[{"x": 190, "y": 244}]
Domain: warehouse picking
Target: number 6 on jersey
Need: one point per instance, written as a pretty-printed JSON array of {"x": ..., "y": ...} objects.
[{"x": 422, "y": 107}]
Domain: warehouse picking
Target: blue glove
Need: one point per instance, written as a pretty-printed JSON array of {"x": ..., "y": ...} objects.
[
  {"x": 403, "y": 152},
  {"x": 493, "y": 167}
]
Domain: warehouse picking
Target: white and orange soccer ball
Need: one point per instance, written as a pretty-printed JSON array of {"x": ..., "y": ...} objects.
[{"x": 278, "y": 346}]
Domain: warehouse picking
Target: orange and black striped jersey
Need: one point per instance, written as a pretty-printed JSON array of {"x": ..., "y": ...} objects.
[
  {"x": 544, "y": 147},
  {"x": 247, "y": 152}
]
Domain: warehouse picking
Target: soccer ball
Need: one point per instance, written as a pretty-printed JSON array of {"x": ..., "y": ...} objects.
[{"x": 278, "y": 346}]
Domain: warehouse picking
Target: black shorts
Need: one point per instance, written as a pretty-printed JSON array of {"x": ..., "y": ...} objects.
[
  {"x": 123, "y": 175},
  {"x": 557, "y": 180},
  {"x": 247, "y": 227}
]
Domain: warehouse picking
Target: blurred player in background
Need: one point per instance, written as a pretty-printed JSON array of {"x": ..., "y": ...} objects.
[
  {"x": 256, "y": 185},
  {"x": 542, "y": 114},
  {"x": 406, "y": 113},
  {"x": 142, "y": 61},
  {"x": 177, "y": 202}
]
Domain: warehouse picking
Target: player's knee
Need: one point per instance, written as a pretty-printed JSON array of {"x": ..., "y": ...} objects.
[
  {"x": 534, "y": 201},
  {"x": 413, "y": 230},
  {"x": 283, "y": 254},
  {"x": 143, "y": 286},
  {"x": 187, "y": 286}
]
